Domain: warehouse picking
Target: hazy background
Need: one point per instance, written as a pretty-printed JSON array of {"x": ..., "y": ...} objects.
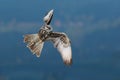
[{"x": 92, "y": 25}]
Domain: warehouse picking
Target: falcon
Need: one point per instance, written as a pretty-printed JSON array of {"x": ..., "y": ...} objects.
[{"x": 60, "y": 40}]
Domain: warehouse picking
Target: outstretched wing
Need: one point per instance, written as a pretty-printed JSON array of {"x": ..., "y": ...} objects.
[
  {"x": 62, "y": 43},
  {"x": 34, "y": 43}
]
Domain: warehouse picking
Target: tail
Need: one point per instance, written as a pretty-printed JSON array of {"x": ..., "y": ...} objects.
[{"x": 34, "y": 43}]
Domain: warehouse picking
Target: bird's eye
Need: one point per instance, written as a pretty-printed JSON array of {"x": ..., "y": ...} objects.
[{"x": 50, "y": 15}]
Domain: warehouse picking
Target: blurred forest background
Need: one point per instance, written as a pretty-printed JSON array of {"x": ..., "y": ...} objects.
[{"x": 92, "y": 25}]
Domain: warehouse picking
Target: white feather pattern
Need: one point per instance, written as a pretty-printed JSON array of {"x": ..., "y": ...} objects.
[{"x": 65, "y": 51}]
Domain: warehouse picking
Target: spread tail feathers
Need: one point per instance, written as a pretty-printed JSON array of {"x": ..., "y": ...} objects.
[{"x": 34, "y": 43}]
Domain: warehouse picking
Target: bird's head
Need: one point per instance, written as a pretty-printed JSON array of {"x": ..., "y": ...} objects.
[{"x": 48, "y": 17}]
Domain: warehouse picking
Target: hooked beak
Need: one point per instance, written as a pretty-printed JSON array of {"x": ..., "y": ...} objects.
[{"x": 47, "y": 19}]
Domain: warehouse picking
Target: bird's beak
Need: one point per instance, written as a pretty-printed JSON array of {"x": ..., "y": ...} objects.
[
  {"x": 51, "y": 11},
  {"x": 47, "y": 19}
]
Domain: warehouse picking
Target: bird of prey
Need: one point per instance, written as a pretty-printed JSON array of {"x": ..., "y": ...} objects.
[{"x": 60, "y": 40}]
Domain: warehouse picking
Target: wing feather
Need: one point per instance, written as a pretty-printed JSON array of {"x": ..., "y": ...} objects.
[
  {"x": 34, "y": 43},
  {"x": 62, "y": 43}
]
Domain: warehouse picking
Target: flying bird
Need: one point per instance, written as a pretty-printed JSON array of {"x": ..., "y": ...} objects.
[{"x": 60, "y": 40}]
